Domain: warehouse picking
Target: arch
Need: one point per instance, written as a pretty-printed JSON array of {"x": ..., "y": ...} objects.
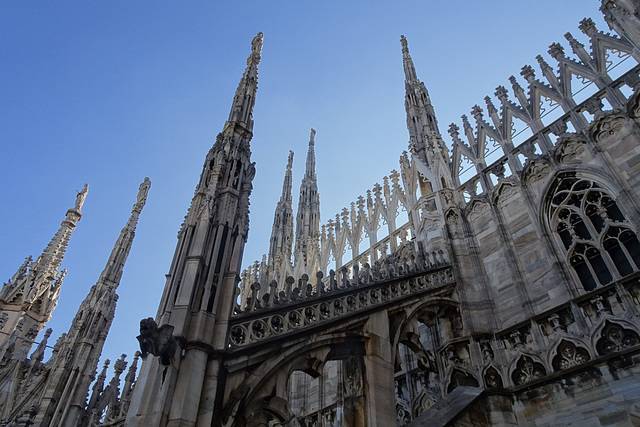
[
  {"x": 492, "y": 377},
  {"x": 251, "y": 388},
  {"x": 261, "y": 412},
  {"x": 505, "y": 188},
  {"x": 423, "y": 314},
  {"x": 423, "y": 402},
  {"x": 611, "y": 337},
  {"x": 568, "y": 355},
  {"x": 461, "y": 377},
  {"x": 526, "y": 368},
  {"x": 426, "y": 359},
  {"x": 310, "y": 397}
]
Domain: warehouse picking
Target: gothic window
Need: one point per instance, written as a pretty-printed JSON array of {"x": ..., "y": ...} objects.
[
  {"x": 598, "y": 240},
  {"x": 616, "y": 338}
]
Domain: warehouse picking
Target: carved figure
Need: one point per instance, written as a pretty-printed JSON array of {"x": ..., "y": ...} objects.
[
  {"x": 256, "y": 43},
  {"x": 158, "y": 341},
  {"x": 82, "y": 194},
  {"x": 143, "y": 191}
]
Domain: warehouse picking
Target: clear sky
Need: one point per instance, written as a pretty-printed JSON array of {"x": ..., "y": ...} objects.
[{"x": 108, "y": 92}]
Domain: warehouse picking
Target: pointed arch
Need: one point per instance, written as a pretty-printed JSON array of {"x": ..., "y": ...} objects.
[
  {"x": 612, "y": 337},
  {"x": 492, "y": 377},
  {"x": 461, "y": 377},
  {"x": 582, "y": 213},
  {"x": 526, "y": 368},
  {"x": 568, "y": 354}
]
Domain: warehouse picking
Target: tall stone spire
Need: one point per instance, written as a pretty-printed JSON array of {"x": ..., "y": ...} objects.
[
  {"x": 65, "y": 393},
  {"x": 425, "y": 140},
  {"x": 32, "y": 292},
  {"x": 281, "y": 243},
  {"x": 201, "y": 288},
  {"x": 308, "y": 218}
]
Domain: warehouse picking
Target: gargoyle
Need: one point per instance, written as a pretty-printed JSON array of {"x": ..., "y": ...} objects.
[{"x": 158, "y": 341}]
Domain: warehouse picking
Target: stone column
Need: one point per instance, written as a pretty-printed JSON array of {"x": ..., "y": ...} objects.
[{"x": 378, "y": 373}]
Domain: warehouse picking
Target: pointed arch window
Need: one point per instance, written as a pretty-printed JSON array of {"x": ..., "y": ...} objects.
[{"x": 599, "y": 242}]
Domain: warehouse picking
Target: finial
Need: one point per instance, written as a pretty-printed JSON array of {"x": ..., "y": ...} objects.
[
  {"x": 312, "y": 137},
  {"x": 82, "y": 194}
]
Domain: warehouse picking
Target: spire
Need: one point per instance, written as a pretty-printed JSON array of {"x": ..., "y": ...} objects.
[
  {"x": 32, "y": 292},
  {"x": 65, "y": 394},
  {"x": 425, "y": 140},
  {"x": 308, "y": 218},
  {"x": 112, "y": 272},
  {"x": 409, "y": 68},
  {"x": 201, "y": 289},
  {"x": 287, "y": 185},
  {"x": 245, "y": 98},
  {"x": 281, "y": 243},
  {"x": 311, "y": 157}
]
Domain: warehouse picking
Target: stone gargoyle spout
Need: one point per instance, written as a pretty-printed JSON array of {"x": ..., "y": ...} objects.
[{"x": 158, "y": 341}]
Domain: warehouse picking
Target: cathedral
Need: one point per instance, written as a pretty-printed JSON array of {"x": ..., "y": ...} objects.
[{"x": 492, "y": 280}]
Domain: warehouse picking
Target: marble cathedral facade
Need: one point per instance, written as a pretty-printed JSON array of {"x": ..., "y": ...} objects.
[{"x": 510, "y": 296}]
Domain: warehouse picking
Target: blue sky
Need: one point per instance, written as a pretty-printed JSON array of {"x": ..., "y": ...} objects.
[{"x": 110, "y": 92}]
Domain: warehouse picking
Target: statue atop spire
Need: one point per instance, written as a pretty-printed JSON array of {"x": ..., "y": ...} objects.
[
  {"x": 405, "y": 45},
  {"x": 142, "y": 192},
  {"x": 82, "y": 194},
  {"x": 32, "y": 293},
  {"x": 256, "y": 45}
]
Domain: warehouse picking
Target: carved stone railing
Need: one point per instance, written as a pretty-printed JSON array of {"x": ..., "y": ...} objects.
[
  {"x": 305, "y": 307},
  {"x": 519, "y": 131}
]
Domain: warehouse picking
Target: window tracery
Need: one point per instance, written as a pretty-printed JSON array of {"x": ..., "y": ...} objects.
[
  {"x": 599, "y": 241},
  {"x": 616, "y": 338},
  {"x": 569, "y": 355},
  {"x": 527, "y": 370}
]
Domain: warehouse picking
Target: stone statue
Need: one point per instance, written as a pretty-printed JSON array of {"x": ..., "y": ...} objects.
[
  {"x": 256, "y": 44},
  {"x": 158, "y": 341},
  {"x": 82, "y": 194},
  {"x": 143, "y": 191}
]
